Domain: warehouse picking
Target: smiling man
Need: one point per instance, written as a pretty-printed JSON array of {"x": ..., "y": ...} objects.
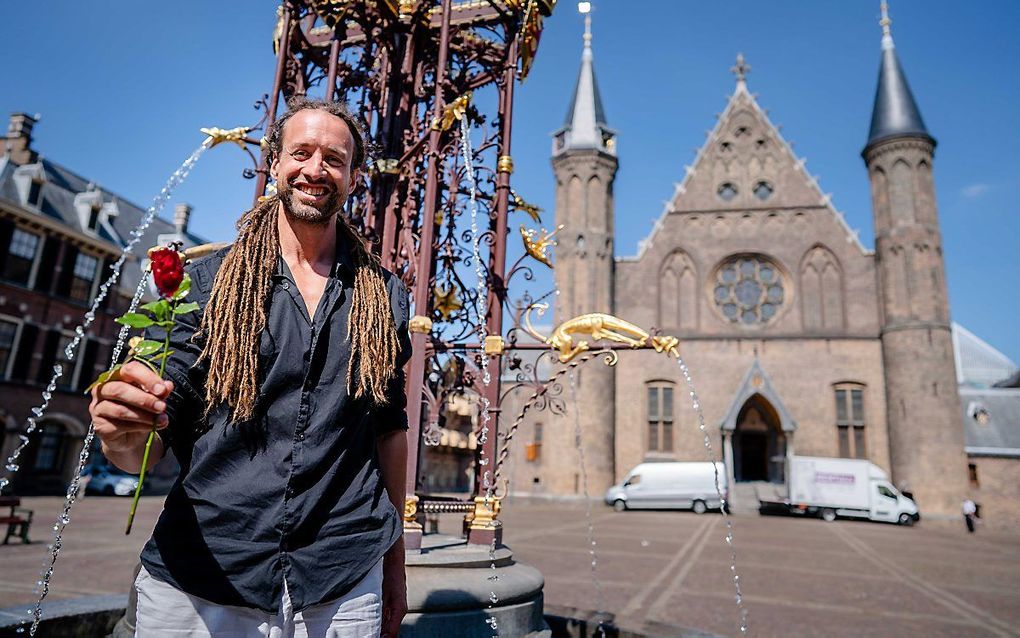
[{"x": 284, "y": 405}]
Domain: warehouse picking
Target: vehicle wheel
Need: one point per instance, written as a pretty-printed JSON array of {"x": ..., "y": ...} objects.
[
  {"x": 906, "y": 519},
  {"x": 108, "y": 491},
  {"x": 828, "y": 514},
  {"x": 699, "y": 507},
  {"x": 620, "y": 505}
]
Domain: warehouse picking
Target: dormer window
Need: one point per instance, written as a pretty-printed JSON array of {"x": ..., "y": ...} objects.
[
  {"x": 93, "y": 221},
  {"x": 29, "y": 180},
  {"x": 35, "y": 193}
]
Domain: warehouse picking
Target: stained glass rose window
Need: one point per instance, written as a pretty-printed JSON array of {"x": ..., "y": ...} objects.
[{"x": 749, "y": 290}]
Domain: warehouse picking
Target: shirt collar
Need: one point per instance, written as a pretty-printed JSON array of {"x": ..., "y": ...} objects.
[{"x": 343, "y": 264}]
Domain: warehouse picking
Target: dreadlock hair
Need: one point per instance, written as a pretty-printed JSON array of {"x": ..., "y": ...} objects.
[{"x": 236, "y": 312}]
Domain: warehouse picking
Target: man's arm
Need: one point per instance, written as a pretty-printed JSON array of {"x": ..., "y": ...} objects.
[{"x": 391, "y": 448}]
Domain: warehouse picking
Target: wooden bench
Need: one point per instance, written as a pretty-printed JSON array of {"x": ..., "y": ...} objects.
[{"x": 18, "y": 521}]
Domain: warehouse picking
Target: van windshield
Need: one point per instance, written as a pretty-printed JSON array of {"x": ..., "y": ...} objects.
[{"x": 633, "y": 480}]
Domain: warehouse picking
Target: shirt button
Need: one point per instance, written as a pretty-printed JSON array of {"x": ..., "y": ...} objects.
[{"x": 286, "y": 285}]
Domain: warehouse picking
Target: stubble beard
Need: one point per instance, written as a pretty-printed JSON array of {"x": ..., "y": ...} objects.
[{"x": 298, "y": 210}]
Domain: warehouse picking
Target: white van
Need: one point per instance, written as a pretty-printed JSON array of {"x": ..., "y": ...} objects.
[
  {"x": 852, "y": 488},
  {"x": 670, "y": 486}
]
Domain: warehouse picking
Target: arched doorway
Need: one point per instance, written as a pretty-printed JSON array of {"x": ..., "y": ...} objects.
[
  {"x": 50, "y": 460},
  {"x": 759, "y": 443}
]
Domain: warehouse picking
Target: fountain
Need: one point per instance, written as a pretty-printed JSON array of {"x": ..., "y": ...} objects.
[{"x": 434, "y": 80}]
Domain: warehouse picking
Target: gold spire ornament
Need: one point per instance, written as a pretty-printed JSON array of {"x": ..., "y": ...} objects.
[
  {"x": 447, "y": 301},
  {"x": 220, "y": 135},
  {"x": 537, "y": 244}
]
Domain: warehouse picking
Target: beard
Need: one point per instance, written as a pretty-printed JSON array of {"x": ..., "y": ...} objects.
[{"x": 321, "y": 214}]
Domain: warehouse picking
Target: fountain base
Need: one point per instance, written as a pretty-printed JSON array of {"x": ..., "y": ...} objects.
[{"x": 449, "y": 585}]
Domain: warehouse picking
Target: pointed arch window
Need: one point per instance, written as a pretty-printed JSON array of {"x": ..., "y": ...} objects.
[
  {"x": 678, "y": 298},
  {"x": 821, "y": 284}
]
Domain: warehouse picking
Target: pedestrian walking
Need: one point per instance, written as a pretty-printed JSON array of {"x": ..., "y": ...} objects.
[{"x": 969, "y": 514}]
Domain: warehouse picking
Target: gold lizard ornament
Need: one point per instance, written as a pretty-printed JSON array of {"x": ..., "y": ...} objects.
[{"x": 599, "y": 327}]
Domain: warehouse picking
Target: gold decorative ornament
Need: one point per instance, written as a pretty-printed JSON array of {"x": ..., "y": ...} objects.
[
  {"x": 494, "y": 345},
  {"x": 447, "y": 301},
  {"x": 406, "y": 7},
  {"x": 537, "y": 243},
  {"x": 420, "y": 324},
  {"x": 195, "y": 252},
  {"x": 531, "y": 32},
  {"x": 598, "y": 327},
  {"x": 505, "y": 164},
  {"x": 220, "y": 135},
  {"x": 486, "y": 513},
  {"x": 278, "y": 30},
  {"x": 518, "y": 203},
  {"x": 410, "y": 509},
  {"x": 388, "y": 165},
  {"x": 452, "y": 112}
]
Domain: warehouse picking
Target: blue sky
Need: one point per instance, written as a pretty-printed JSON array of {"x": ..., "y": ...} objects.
[{"x": 123, "y": 87}]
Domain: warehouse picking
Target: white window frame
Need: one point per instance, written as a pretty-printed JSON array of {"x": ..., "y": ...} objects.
[
  {"x": 33, "y": 270},
  {"x": 5, "y": 374}
]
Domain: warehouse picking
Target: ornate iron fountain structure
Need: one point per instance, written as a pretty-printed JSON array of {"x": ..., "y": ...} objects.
[
  {"x": 420, "y": 75},
  {"x": 411, "y": 70}
]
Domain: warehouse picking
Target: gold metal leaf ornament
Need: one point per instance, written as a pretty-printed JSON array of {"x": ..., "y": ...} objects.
[
  {"x": 447, "y": 301},
  {"x": 537, "y": 243}
]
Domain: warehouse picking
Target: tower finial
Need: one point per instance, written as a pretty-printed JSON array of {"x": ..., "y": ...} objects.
[
  {"x": 584, "y": 8},
  {"x": 741, "y": 69},
  {"x": 885, "y": 22}
]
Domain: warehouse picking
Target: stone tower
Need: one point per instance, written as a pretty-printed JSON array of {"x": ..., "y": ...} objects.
[
  {"x": 926, "y": 440},
  {"x": 584, "y": 162}
]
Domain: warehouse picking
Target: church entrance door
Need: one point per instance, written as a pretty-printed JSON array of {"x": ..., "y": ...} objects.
[{"x": 759, "y": 444}]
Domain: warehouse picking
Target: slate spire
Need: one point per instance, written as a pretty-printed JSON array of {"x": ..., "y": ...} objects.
[
  {"x": 585, "y": 126},
  {"x": 895, "y": 113}
]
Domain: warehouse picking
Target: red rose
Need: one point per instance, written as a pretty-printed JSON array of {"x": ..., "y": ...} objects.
[{"x": 167, "y": 270}]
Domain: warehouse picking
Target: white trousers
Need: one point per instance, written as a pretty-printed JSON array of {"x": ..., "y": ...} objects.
[{"x": 164, "y": 610}]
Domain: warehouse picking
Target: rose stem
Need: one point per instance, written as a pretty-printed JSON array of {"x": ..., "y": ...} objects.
[{"x": 152, "y": 434}]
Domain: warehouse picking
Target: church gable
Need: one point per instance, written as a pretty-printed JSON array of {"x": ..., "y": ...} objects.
[{"x": 745, "y": 164}]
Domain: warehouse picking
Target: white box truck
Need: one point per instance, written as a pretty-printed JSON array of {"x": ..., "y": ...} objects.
[
  {"x": 669, "y": 485},
  {"x": 852, "y": 488}
]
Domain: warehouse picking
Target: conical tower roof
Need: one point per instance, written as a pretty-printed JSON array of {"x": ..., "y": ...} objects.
[
  {"x": 585, "y": 126},
  {"x": 895, "y": 113}
]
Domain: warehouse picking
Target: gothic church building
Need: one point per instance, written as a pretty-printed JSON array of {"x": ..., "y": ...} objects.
[{"x": 801, "y": 339}]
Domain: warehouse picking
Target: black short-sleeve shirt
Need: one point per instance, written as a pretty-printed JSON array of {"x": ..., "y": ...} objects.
[{"x": 296, "y": 493}]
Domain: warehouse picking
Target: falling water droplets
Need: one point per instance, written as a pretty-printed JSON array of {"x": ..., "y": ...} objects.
[
  {"x": 11, "y": 467},
  {"x": 493, "y": 598},
  {"x": 600, "y": 599},
  {"x": 739, "y": 598}
]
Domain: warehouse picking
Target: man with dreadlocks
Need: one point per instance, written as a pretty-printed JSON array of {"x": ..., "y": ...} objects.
[{"x": 284, "y": 404}]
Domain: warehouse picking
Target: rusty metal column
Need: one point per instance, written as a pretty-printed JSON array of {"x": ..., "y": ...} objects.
[
  {"x": 334, "y": 53},
  {"x": 497, "y": 284},
  {"x": 423, "y": 277},
  {"x": 274, "y": 100}
]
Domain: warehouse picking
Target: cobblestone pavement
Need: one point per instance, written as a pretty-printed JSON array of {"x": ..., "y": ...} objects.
[{"x": 800, "y": 577}]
